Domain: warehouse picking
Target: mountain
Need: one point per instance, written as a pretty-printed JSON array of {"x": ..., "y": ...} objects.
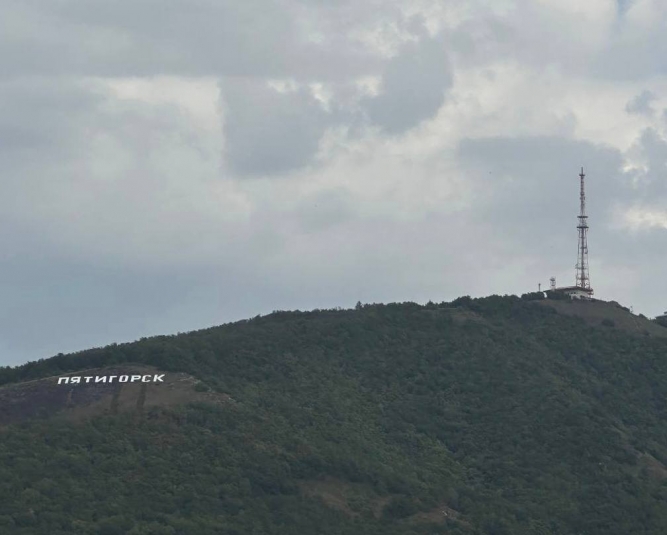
[{"x": 500, "y": 415}]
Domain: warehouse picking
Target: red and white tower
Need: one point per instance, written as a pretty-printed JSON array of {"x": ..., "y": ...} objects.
[{"x": 582, "y": 278}]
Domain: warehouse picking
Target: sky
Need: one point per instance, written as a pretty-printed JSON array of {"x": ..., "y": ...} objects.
[{"x": 171, "y": 165}]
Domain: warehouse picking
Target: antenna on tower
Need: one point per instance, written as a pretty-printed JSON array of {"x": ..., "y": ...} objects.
[{"x": 582, "y": 277}]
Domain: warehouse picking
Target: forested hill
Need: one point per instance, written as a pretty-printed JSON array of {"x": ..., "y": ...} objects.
[{"x": 480, "y": 416}]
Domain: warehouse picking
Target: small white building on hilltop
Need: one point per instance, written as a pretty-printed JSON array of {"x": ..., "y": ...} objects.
[
  {"x": 573, "y": 292},
  {"x": 576, "y": 292}
]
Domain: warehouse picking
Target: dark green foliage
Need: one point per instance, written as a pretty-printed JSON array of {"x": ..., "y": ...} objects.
[
  {"x": 518, "y": 419},
  {"x": 533, "y": 296},
  {"x": 400, "y": 507},
  {"x": 607, "y": 322}
]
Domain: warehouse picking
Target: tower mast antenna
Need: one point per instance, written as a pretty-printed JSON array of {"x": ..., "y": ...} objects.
[{"x": 582, "y": 276}]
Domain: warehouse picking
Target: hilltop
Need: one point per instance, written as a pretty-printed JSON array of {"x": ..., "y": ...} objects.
[
  {"x": 491, "y": 416},
  {"x": 610, "y": 314}
]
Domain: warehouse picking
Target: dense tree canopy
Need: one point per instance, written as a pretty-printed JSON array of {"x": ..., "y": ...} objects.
[{"x": 479, "y": 416}]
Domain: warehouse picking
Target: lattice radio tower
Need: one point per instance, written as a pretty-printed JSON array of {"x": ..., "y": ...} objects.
[{"x": 583, "y": 280}]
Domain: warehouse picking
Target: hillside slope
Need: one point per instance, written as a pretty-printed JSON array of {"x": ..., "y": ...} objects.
[{"x": 479, "y": 416}]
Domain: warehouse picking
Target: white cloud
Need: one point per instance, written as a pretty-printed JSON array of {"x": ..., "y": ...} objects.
[
  {"x": 200, "y": 97},
  {"x": 164, "y": 171},
  {"x": 640, "y": 218}
]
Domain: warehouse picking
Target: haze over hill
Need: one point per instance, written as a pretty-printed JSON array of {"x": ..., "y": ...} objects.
[{"x": 480, "y": 416}]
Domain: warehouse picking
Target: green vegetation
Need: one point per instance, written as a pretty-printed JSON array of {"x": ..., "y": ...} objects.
[
  {"x": 533, "y": 296},
  {"x": 510, "y": 417}
]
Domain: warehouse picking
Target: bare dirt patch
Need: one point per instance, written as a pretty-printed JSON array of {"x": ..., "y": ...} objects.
[
  {"x": 438, "y": 515},
  {"x": 654, "y": 467},
  {"x": 594, "y": 312},
  {"x": 332, "y": 492},
  {"x": 353, "y": 499},
  {"x": 46, "y": 398}
]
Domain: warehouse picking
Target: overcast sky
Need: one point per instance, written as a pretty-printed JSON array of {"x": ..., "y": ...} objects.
[{"x": 171, "y": 165}]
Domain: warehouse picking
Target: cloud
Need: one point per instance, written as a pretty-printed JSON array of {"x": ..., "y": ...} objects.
[
  {"x": 651, "y": 177},
  {"x": 641, "y": 104},
  {"x": 413, "y": 86},
  {"x": 528, "y": 191},
  {"x": 173, "y": 166},
  {"x": 268, "y": 131},
  {"x": 624, "y": 5},
  {"x": 637, "y": 46},
  {"x": 564, "y": 36},
  {"x": 273, "y": 128},
  {"x": 198, "y": 38}
]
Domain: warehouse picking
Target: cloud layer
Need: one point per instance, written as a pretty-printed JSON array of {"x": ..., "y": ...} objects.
[{"x": 169, "y": 166}]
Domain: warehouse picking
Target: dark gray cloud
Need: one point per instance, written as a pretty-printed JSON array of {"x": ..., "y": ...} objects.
[
  {"x": 637, "y": 46},
  {"x": 201, "y": 37},
  {"x": 624, "y": 5},
  {"x": 529, "y": 191},
  {"x": 529, "y": 199},
  {"x": 35, "y": 112},
  {"x": 641, "y": 104},
  {"x": 268, "y": 131},
  {"x": 539, "y": 173},
  {"x": 531, "y": 33},
  {"x": 622, "y": 42},
  {"x": 413, "y": 86},
  {"x": 652, "y": 149},
  {"x": 124, "y": 213}
]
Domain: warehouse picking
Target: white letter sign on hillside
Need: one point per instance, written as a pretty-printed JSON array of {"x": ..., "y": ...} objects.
[{"x": 110, "y": 378}]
